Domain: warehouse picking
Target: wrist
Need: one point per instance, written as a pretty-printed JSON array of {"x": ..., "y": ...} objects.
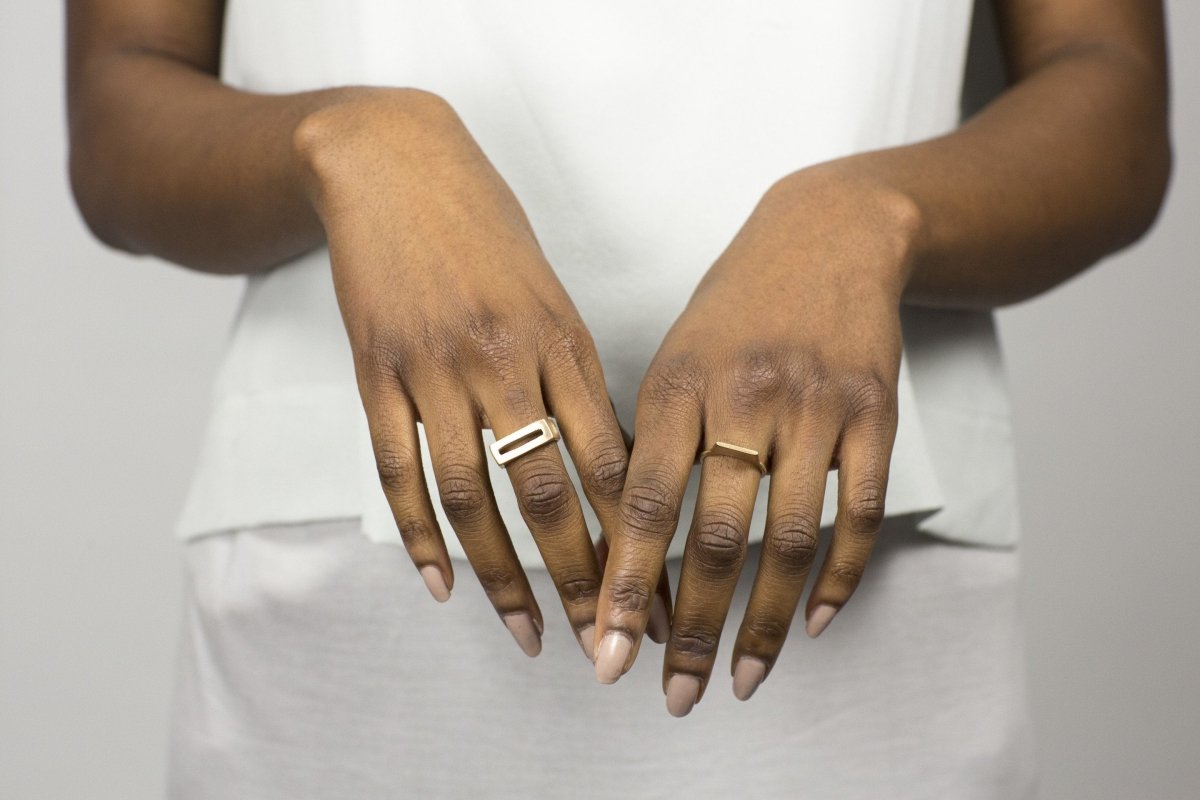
[
  {"x": 361, "y": 134},
  {"x": 852, "y": 204}
]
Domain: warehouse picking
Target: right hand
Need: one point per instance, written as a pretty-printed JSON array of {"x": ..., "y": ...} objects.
[{"x": 456, "y": 320}]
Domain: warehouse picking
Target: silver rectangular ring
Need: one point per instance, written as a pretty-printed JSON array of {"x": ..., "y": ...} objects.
[{"x": 518, "y": 443}]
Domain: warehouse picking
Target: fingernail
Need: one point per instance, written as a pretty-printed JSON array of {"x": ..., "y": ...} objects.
[
  {"x": 682, "y": 691},
  {"x": 435, "y": 582},
  {"x": 587, "y": 640},
  {"x": 658, "y": 627},
  {"x": 521, "y": 626},
  {"x": 820, "y": 619},
  {"x": 747, "y": 675},
  {"x": 610, "y": 660}
]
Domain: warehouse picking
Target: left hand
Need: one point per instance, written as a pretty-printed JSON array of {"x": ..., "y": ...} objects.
[{"x": 789, "y": 346}]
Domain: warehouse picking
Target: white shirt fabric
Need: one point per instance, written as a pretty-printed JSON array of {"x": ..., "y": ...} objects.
[
  {"x": 638, "y": 137},
  {"x": 315, "y": 666}
]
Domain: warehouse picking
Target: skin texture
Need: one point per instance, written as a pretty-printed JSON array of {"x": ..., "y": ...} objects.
[{"x": 1068, "y": 165}]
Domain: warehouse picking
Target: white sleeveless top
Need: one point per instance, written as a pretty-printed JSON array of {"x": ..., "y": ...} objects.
[{"x": 638, "y": 137}]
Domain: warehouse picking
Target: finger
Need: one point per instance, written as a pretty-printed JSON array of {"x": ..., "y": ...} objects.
[
  {"x": 716, "y": 549},
  {"x": 550, "y": 507},
  {"x": 392, "y": 422},
  {"x": 574, "y": 387},
  {"x": 668, "y": 433},
  {"x": 799, "y": 466},
  {"x": 863, "y": 457},
  {"x": 456, "y": 447},
  {"x": 658, "y": 626}
]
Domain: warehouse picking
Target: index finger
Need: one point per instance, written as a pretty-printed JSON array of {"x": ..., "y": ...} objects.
[{"x": 663, "y": 455}]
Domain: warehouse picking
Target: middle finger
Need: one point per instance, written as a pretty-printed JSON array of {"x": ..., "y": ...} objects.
[{"x": 712, "y": 561}]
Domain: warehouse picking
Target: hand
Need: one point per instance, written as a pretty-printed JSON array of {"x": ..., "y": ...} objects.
[
  {"x": 789, "y": 346},
  {"x": 456, "y": 319}
]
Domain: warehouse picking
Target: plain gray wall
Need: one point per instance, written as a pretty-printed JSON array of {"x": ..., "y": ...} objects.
[{"x": 105, "y": 363}]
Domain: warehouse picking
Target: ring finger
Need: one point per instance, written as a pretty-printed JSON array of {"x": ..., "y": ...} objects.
[
  {"x": 799, "y": 468},
  {"x": 550, "y": 507},
  {"x": 456, "y": 448}
]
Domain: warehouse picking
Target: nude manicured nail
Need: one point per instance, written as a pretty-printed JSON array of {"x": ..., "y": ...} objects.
[
  {"x": 521, "y": 627},
  {"x": 658, "y": 627},
  {"x": 747, "y": 675},
  {"x": 611, "y": 658},
  {"x": 682, "y": 692},
  {"x": 435, "y": 583},
  {"x": 820, "y": 619},
  {"x": 587, "y": 640}
]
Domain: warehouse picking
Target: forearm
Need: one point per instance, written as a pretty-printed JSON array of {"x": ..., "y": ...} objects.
[
  {"x": 1068, "y": 165},
  {"x": 166, "y": 160}
]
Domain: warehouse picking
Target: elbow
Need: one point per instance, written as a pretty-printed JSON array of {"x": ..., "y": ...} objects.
[
  {"x": 1158, "y": 182},
  {"x": 1150, "y": 171},
  {"x": 92, "y": 202},
  {"x": 96, "y": 194}
]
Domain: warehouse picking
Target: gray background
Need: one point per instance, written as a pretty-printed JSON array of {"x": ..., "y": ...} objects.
[{"x": 105, "y": 362}]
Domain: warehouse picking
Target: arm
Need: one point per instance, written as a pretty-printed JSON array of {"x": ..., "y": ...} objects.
[
  {"x": 166, "y": 160},
  {"x": 1067, "y": 165}
]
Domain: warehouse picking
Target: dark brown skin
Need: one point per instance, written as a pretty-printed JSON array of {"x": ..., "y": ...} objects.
[{"x": 1068, "y": 165}]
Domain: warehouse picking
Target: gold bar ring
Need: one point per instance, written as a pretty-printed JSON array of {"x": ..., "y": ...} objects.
[{"x": 733, "y": 450}]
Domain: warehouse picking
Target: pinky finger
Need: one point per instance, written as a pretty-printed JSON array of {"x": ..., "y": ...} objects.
[
  {"x": 862, "y": 485},
  {"x": 392, "y": 421}
]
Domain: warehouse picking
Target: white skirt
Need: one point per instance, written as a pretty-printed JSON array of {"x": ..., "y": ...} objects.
[{"x": 315, "y": 665}]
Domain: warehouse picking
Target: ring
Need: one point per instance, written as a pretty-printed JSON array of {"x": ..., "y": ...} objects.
[
  {"x": 742, "y": 453},
  {"x": 543, "y": 431}
]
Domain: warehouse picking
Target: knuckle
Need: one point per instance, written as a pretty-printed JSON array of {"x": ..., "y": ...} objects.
[
  {"x": 758, "y": 377},
  {"x": 864, "y": 510},
  {"x": 577, "y": 590},
  {"x": 719, "y": 541},
  {"x": 603, "y": 474},
  {"x": 398, "y": 471},
  {"x": 416, "y": 533},
  {"x": 767, "y": 630},
  {"x": 493, "y": 341},
  {"x": 694, "y": 643},
  {"x": 793, "y": 541},
  {"x": 811, "y": 383},
  {"x": 870, "y": 395},
  {"x": 846, "y": 573},
  {"x": 496, "y": 581},
  {"x": 461, "y": 491},
  {"x": 630, "y": 595},
  {"x": 650, "y": 510},
  {"x": 381, "y": 358},
  {"x": 565, "y": 340},
  {"x": 679, "y": 377},
  {"x": 440, "y": 347},
  {"x": 545, "y": 497}
]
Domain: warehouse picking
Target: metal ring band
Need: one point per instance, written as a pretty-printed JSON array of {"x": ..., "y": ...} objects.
[
  {"x": 546, "y": 430},
  {"x": 734, "y": 451}
]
